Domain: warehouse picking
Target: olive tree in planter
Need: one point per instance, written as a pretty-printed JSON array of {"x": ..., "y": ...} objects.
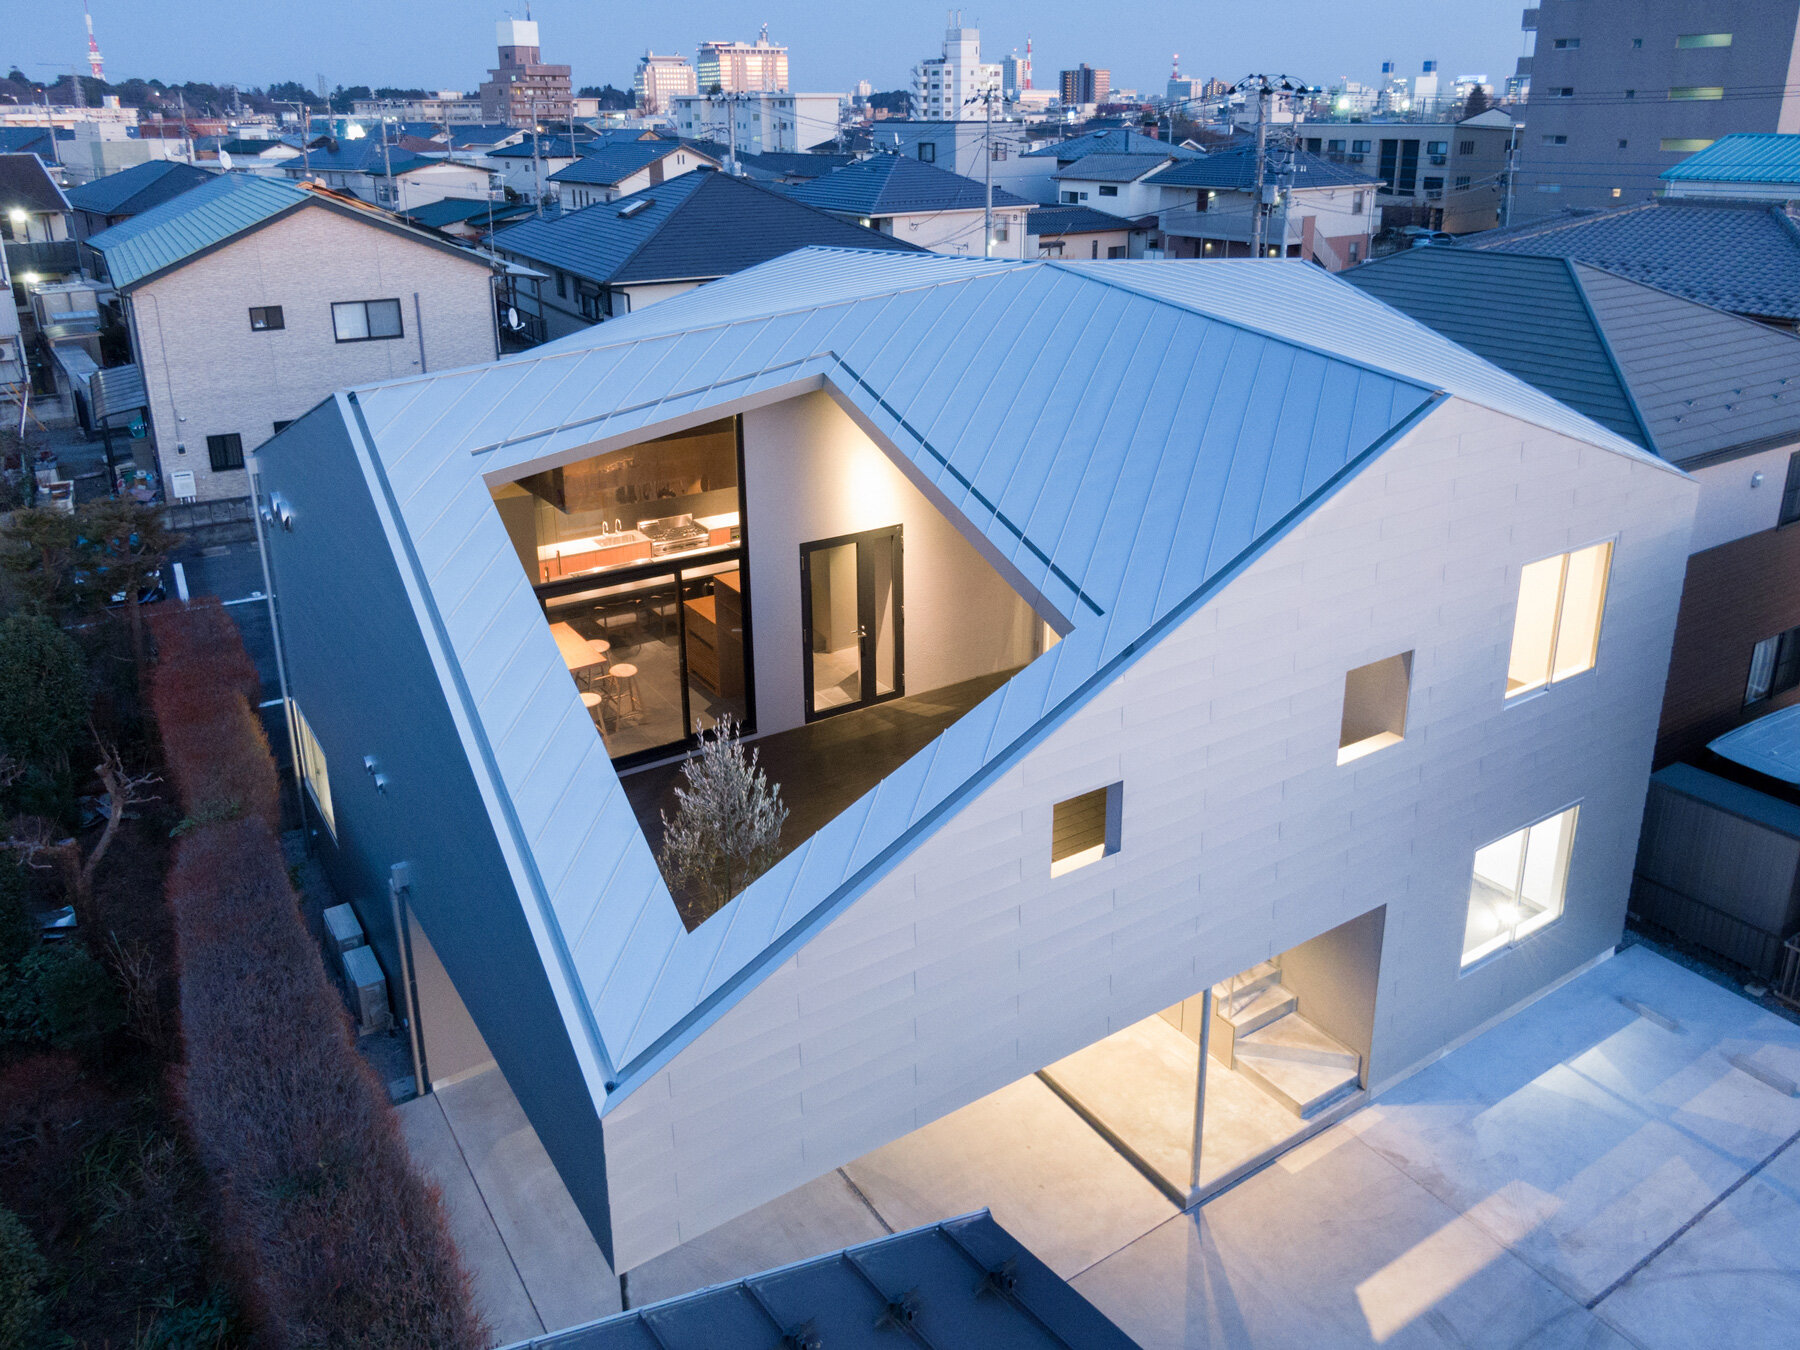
[{"x": 726, "y": 830}]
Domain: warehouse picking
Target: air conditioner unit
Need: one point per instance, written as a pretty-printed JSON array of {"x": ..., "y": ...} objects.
[
  {"x": 1439, "y": 159},
  {"x": 1354, "y": 159},
  {"x": 368, "y": 990},
  {"x": 342, "y": 929}
]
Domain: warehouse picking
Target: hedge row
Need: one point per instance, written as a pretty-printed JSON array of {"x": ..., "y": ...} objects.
[{"x": 332, "y": 1238}]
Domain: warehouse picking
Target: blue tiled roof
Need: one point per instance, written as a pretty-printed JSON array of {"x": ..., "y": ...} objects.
[
  {"x": 28, "y": 141},
  {"x": 361, "y": 156},
  {"x": 1740, "y": 256},
  {"x": 25, "y": 182},
  {"x": 1234, "y": 170},
  {"x": 196, "y": 220},
  {"x": 609, "y": 164},
  {"x": 1742, "y": 157},
  {"x": 1045, "y": 220},
  {"x": 455, "y": 210},
  {"x": 700, "y": 224},
  {"x": 549, "y": 147},
  {"x": 1103, "y": 167},
  {"x": 892, "y": 185},
  {"x": 1111, "y": 141},
  {"x": 136, "y": 189}
]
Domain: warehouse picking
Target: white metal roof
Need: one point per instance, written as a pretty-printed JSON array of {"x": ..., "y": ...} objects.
[{"x": 1122, "y": 436}]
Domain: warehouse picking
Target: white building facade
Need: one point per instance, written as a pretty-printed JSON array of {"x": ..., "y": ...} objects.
[
  {"x": 944, "y": 85},
  {"x": 659, "y": 79},
  {"x": 758, "y": 122}
]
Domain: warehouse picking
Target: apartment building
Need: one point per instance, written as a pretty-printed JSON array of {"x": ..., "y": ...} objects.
[
  {"x": 759, "y": 67},
  {"x": 949, "y": 87},
  {"x": 1297, "y": 674},
  {"x": 1085, "y": 86},
  {"x": 521, "y": 90},
  {"x": 1326, "y": 213},
  {"x": 1623, "y": 89},
  {"x": 660, "y": 78},
  {"x": 1453, "y": 175},
  {"x": 783, "y": 122}
]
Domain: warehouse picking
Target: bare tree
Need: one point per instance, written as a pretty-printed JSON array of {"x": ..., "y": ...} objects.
[
  {"x": 123, "y": 790},
  {"x": 727, "y": 826}
]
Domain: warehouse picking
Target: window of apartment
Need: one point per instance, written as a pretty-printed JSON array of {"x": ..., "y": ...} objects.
[
  {"x": 1690, "y": 40},
  {"x": 1356, "y": 204},
  {"x": 1359, "y": 147},
  {"x": 1631, "y": 93},
  {"x": 1637, "y": 44},
  {"x": 1549, "y": 187},
  {"x": 366, "y": 320},
  {"x": 1518, "y": 886},
  {"x": 265, "y": 318},
  {"x": 1618, "y": 193},
  {"x": 1790, "y": 492},
  {"x": 1437, "y": 147},
  {"x": 1115, "y": 250},
  {"x": 1697, "y": 93},
  {"x": 1465, "y": 147},
  {"x": 281, "y": 426},
  {"x": 1001, "y": 233},
  {"x": 1085, "y": 829},
  {"x": 1071, "y": 198},
  {"x": 225, "y": 452},
  {"x": 312, "y": 766},
  {"x": 1434, "y": 186},
  {"x": 1355, "y": 251},
  {"x": 1566, "y": 44},
  {"x": 1050, "y": 250},
  {"x": 1774, "y": 667},
  {"x": 1556, "y": 140},
  {"x": 1334, "y": 147},
  {"x": 1623, "y": 142},
  {"x": 1556, "y": 632},
  {"x": 998, "y": 150},
  {"x": 1462, "y": 181},
  {"x": 928, "y": 152},
  {"x": 1684, "y": 145},
  {"x": 1563, "y": 91},
  {"x": 1375, "y": 707},
  {"x": 1109, "y": 190},
  {"x": 562, "y": 286}
]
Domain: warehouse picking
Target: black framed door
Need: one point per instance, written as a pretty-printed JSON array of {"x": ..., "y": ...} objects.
[{"x": 852, "y": 621}]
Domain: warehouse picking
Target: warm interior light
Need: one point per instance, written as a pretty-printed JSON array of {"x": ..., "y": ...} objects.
[
  {"x": 30, "y": 278},
  {"x": 18, "y": 216}
]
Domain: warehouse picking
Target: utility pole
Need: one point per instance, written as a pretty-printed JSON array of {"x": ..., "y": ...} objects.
[
  {"x": 1262, "y": 142},
  {"x": 387, "y": 159},
  {"x": 537, "y": 181},
  {"x": 299, "y": 108},
  {"x": 1512, "y": 169},
  {"x": 986, "y": 98}
]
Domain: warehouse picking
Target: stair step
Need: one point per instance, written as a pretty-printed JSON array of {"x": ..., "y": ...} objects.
[
  {"x": 1264, "y": 1006},
  {"x": 1247, "y": 985},
  {"x": 1299, "y": 1065}
]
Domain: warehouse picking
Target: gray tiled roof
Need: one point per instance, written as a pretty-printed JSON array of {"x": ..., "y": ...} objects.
[
  {"x": 609, "y": 164},
  {"x": 890, "y": 185},
  {"x": 1046, "y": 220},
  {"x": 25, "y": 183},
  {"x": 1111, "y": 141},
  {"x": 1739, "y": 256},
  {"x": 136, "y": 189},
  {"x": 1108, "y": 168}
]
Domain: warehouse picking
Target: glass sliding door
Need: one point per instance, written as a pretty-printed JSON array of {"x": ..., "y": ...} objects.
[{"x": 852, "y": 621}]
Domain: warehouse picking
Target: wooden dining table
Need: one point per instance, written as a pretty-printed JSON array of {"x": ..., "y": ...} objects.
[{"x": 576, "y": 653}]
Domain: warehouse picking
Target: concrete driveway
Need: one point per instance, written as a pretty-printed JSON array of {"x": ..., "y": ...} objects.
[{"x": 1582, "y": 1175}]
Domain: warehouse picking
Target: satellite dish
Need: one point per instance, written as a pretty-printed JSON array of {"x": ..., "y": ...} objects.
[{"x": 513, "y": 321}]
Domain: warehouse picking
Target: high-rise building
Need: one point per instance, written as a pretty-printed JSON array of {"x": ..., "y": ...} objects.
[
  {"x": 1015, "y": 71},
  {"x": 1621, "y": 90},
  {"x": 944, "y": 87},
  {"x": 743, "y": 67},
  {"x": 1084, "y": 84},
  {"x": 521, "y": 90},
  {"x": 660, "y": 78},
  {"x": 1182, "y": 88}
]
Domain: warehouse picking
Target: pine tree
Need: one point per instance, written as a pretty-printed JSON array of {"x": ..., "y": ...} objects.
[{"x": 727, "y": 826}]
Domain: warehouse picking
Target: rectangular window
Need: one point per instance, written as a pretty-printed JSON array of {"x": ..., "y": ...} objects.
[
  {"x": 1334, "y": 147},
  {"x": 1684, "y": 145},
  {"x": 1556, "y": 140},
  {"x": 1462, "y": 181},
  {"x": 1549, "y": 187},
  {"x": 1774, "y": 667},
  {"x": 1565, "y": 91},
  {"x": 1556, "y": 632},
  {"x": 1359, "y": 147},
  {"x": 1465, "y": 147},
  {"x": 1070, "y": 198},
  {"x": 366, "y": 320},
  {"x": 1623, "y": 142},
  {"x": 225, "y": 452},
  {"x": 1697, "y": 93},
  {"x": 1374, "y": 707},
  {"x": 998, "y": 150},
  {"x": 562, "y": 286},
  {"x": 928, "y": 152},
  {"x": 1567, "y": 44},
  {"x": 312, "y": 766},
  {"x": 265, "y": 318},
  {"x": 1688, "y": 41},
  {"x": 1356, "y": 203},
  {"x": 1109, "y": 190},
  {"x": 1085, "y": 829},
  {"x": 1355, "y": 252},
  {"x": 1790, "y": 492},
  {"x": 1518, "y": 886},
  {"x": 1115, "y": 250},
  {"x": 1437, "y": 147}
]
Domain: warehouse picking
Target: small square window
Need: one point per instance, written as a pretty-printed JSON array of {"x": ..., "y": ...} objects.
[
  {"x": 225, "y": 452},
  {"x": 265, "y": 318},
  {"x": 927, "y": 152},
  {"x": 1556, "y": 632},
  {"x": 1085, "y": 829},
  {"x": 1375, "y": 707},
  {"x": 1518, "y": 886},
  {"x": 1774, "y": 667},
  {"x": 1623, "y": 143}
]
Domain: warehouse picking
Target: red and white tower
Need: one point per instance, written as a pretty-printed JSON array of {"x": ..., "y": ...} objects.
[
  {"x": 1027, "y": 83},
  {"x": 95, "y": 64}
]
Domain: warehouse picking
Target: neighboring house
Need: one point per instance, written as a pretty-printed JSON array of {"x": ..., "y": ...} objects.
[
  {"x": 104, "y": 202},
  {"x": 1076, "y": 232},
  {"x": 617, "y": 258},
  {"x": 1116, "y": 184},
  {"x": 1455, "y": 174},
  {"x": 248, "y": 299},
  {"x": 1744, "y": 166},
  {"x": 1328, "y": 216},
  {"x": 13, "y": 371},
  {"x": 609, "y": 172},
  {"x": 1269, "y": 634},
  {"x": 39, "y": 141},
  {"x": 256, "y": 155},
  {"x": 759, "y": 121},
  {"x": 775, "y": 168},
  {"x": 1621, "y": 90},
  {"x": 465, "y": 221},
  {"x": 526, "y": 165},
  {"x": 482, "y": 138},
  {"x": 35, "y": 230},
  {"x": 1739, "y": 256},
  {"x": 969, "y": 147},
  {"x": 1712, "y": 393},
  {"x": 920, "y": 203},
  {"x": 390, "y": 175},
  {"x": 1039, "y": 167}
]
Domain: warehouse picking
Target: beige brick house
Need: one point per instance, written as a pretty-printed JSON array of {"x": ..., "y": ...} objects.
[{"x": 248, "y": 300}]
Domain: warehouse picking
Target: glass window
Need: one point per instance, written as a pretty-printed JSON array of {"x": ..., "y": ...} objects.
[
  {"x": 1359, "y": 147},
  {"x": 1702, "y": 93},
  {"x": 312, "y": 766},
  {"x": 928, "y": 152},
  {"x": 1790, "y": 492},
  {"x": 1774, "y": 667},
  {"x": 1085, "y": 829},
  {"x": 1556, "y": 632},
  {"x": 1518, "y": 886},
  {"x": 1437, "y": 147},
  {"x": 1567, "y": 44},
  {"x": 1684, "y": 145},
  {"x": 265, "y": 318},
  {"x": 366, "y": 320},
  {"x": 225, "y": 452},
  {"x": 1691, "y": 40},
  {"x": 1109, "y": 190}
]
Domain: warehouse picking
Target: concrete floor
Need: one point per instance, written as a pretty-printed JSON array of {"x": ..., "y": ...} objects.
[{"x": 1578, "y": 1176}]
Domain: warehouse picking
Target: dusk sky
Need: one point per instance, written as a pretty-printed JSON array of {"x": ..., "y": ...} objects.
[{"x": 449, "y": 43}]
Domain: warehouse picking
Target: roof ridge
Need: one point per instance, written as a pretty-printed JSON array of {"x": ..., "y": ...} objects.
[{"x": 1612, "y": 357}]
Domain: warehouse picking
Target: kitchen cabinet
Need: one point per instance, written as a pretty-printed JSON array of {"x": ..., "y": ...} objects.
[{"x": 715, "y": 637}]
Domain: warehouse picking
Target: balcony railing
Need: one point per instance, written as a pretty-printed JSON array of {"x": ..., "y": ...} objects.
[
  {"x": 52, "y": 257},
  {"x": 1529, "y": 21}
]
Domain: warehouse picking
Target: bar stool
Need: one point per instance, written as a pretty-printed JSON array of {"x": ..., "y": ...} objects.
[{"x": 621, "y": 677}]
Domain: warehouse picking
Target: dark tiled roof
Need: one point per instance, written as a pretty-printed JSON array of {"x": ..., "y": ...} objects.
[
  {"x": 1234, "y": 170},
  {"x": 970, "y": 1284},
  {"x": 1114, "y": 141},
  {"x": 26, "y": 183},
  {"x": 26, "y": 141},
  {"x": 361, "y": 156},
  {"x": 1046, "y": 220},
  {"x": 244, "y": 146},
  {"x": 889, "y": 185},
  {"x": 549, "y": 147},
  {"x": 1740, "y": 256},
  {"x": 797, "y": 164},
  {"x": 701, "y": 224},
  {"x": 1102, "y": 167},
  {"x": 138, "y": 188},
  {"x": 455, "y": 210},
  {"x": 608, "y": 164},
  {"x": 1524, "y": 314},
  {"x": 461, "y": 137}
]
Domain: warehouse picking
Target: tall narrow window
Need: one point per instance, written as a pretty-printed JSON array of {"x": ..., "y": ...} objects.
[
  {"x": 1556, "y": 632},
  {"x": 1374, "y": 707},
  {"x": 312, "y": 767},
  {"x": 1774, "y": 667},
  {"x": 1085, "y": 829},
  {"x": 1518, "y": 885},
  {"x": 1790, "y": 493}
]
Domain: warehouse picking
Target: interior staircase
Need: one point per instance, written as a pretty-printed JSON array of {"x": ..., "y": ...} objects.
[{"x": 1258, "y": 1031}]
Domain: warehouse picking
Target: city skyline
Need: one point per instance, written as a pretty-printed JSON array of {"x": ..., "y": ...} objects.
[{"x": 1317, "y": 41}]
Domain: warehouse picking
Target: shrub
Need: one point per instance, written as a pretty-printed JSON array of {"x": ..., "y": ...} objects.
[
  {"x": 43, "y": 691},
  {"x": 22, "y": 1270},
  {"x": 333, "y": 1238},
  {"x": 60, "y": 995},
  {"x": 18, "y": 929},
  {"x": 727, "y": 826}
]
